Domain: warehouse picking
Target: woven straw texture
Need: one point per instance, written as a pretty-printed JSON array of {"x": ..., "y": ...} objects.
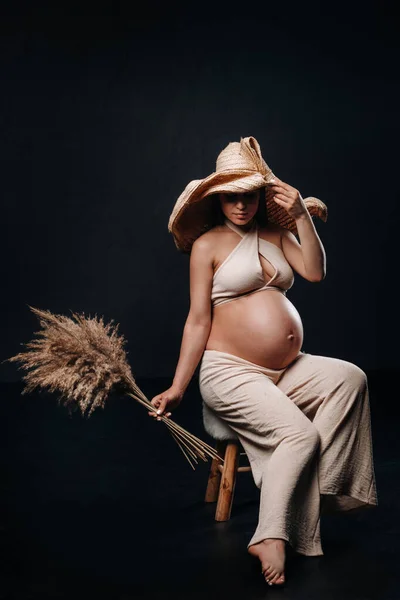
[{"x": 240, "y": 167}]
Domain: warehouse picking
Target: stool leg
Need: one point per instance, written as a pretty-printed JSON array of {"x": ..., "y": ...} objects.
[
  {"x": 228, "y": 481},
  {"x": 214, "y": 478}
]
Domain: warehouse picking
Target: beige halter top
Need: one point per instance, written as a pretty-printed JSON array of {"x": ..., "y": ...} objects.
[{"x": 241, "y": 272}]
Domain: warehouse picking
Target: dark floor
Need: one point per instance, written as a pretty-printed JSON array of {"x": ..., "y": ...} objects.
[{"x": 108, "y": 508}]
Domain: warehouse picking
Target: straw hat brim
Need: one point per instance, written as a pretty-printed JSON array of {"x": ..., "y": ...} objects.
[{"x": 193, "y": 212}]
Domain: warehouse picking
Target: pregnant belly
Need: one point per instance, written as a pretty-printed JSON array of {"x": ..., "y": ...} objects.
[{"x": 264, "y": 328}]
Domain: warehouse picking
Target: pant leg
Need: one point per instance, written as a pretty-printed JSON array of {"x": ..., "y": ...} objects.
[
  {"x": 280, "y": 441},
  {"x": 333, "y": 394}
]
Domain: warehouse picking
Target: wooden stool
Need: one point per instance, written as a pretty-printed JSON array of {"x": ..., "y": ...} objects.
[{"x": 222, "y": 478}]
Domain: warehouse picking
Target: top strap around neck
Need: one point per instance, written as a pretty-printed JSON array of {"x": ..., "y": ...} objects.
[{"x": 237, "y": 229}]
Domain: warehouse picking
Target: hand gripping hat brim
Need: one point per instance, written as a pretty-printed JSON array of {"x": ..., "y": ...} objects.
[{"x": 240, "y": 168}]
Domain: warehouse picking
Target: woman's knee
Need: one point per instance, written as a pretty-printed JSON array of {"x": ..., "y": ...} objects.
[
  {"x": 355, "y": 376},
  {"x": 349, "y": 386},
  {"x": 350, "y": 377},
  {"x": 338, "y": 372}
]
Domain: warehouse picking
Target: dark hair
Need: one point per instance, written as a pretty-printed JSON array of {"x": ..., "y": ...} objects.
[{"x": 261, "y": 215}]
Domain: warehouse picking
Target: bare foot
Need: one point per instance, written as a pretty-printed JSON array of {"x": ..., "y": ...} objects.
[{"x": 271, "y": 553}]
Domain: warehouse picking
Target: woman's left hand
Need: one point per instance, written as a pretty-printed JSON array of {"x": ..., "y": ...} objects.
[{"x": 289, "y": 198}]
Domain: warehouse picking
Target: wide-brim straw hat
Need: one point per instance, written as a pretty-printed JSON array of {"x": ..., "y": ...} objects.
[{"x": 240, "y": 167}]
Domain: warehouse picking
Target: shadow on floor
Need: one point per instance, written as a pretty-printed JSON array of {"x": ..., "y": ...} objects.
[{"x": 108, "y": 508}]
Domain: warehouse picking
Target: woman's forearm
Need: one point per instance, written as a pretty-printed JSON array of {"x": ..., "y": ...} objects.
[
  {"x": 194, "y": 340},
  {"x": 313, "y": 252}
]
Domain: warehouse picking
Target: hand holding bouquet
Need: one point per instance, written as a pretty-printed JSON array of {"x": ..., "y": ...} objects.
[{"x": 83, "y": 360}]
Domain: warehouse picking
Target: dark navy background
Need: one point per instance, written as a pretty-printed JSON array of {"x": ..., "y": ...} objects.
[{"x": 107, "y": 112}]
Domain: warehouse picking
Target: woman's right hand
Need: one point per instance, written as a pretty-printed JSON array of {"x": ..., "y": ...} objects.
[{"x": 168, "y": 400}]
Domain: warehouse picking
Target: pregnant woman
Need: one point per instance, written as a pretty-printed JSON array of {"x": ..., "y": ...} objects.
[{"x": 303, "y": 420}]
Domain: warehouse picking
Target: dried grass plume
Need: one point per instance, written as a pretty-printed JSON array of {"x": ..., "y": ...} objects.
[{"x": 83, "y": 360}]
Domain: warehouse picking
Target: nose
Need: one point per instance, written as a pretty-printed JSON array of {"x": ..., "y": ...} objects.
[{"x": 241, "y": 203}]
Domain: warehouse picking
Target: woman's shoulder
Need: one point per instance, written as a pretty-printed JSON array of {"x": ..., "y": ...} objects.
[
  {"x": 210, "y": 236},
  {"x": 205, "y": 241}
]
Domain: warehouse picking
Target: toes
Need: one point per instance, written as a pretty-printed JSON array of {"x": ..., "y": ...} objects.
[
  {"x": 268, "y": 572},
  {"x": 275, "y": 577},
  {"x": 279, "y": 579},
  {"x": 270, "y": 576}
]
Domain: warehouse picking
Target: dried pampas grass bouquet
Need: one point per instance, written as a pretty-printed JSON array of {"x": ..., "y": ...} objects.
[{"x": 82, "y": 360}]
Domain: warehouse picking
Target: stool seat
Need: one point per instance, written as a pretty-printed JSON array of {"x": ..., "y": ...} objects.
[
  {"x": 222, "y": 478},
  {"x": 216, "y": 427}
]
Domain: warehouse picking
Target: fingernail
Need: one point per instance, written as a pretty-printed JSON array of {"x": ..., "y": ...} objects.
[{"x": 159, "y": 411}]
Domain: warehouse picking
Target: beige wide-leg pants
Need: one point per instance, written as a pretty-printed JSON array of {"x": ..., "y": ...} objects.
[{"x": 306, "y": 430}]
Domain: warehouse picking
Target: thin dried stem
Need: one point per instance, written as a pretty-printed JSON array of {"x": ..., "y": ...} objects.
[
  {"x": 183, "y": 450},
  {"x": 179, "y": 436},
  {"x": 196, "y": 443},
  {"x": 189, "y": 436},
  {"x": 83, "y": 360}
]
